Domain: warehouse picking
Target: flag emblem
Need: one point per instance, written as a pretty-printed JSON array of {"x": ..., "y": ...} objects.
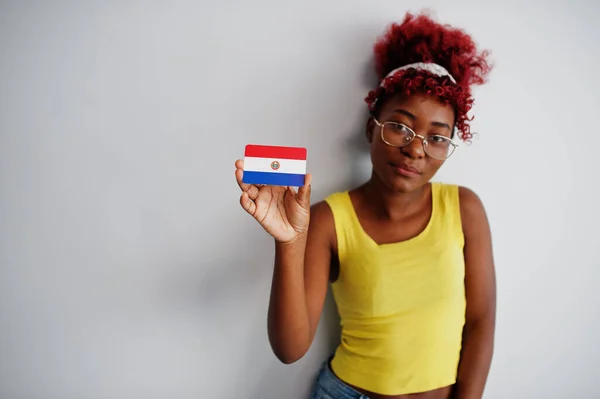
[{"x": 274, "y": 165}]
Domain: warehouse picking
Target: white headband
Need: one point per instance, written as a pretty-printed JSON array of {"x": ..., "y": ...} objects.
[{"x": 430, "y": 67}]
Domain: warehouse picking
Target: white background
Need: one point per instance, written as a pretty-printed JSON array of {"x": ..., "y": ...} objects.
[{"x": 129, "y": 270}]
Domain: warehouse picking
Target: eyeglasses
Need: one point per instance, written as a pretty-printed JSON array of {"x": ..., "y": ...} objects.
[{"x": 398, "y": 135}]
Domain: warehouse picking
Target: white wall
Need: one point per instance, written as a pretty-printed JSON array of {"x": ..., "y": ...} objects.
[{"x": 127, "y": 267}]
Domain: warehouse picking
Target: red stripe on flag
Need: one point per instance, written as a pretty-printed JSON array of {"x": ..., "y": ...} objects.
[{"x": 271, "y": 151}]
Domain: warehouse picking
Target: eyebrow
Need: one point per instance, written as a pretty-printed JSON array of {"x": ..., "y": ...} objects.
[{"x": 414, "y": 117}]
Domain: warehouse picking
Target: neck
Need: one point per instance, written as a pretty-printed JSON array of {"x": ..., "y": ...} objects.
[{"x": 391, "y": 204}]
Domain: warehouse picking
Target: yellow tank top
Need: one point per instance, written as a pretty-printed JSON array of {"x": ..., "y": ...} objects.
[{"x": 402, "y": 305}]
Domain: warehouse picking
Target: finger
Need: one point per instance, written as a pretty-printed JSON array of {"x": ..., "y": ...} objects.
[
  {"x": 304, "y": 191},
  {"x": 248, "y": 205},
  {"x": 308, "y": 180},
  {"x": 239, "y": 174},
  {"x": 251, "y": 189}
]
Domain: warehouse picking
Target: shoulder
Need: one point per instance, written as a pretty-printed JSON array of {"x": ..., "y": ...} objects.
[
  {"x": 329, "y": 215},
  {"x": 472, "y": 210},
  {"x": 322, "y": 224},
  {"x": 469, "y": 200},
  {"x": 321, "y": 211},
  {"x": 331, "y": 205}
]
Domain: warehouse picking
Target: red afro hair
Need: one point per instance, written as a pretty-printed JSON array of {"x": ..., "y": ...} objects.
[{"x": 420, "y": 39}]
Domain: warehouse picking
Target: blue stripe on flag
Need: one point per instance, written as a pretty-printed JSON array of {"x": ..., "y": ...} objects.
[{"x": 273, "y": 179}]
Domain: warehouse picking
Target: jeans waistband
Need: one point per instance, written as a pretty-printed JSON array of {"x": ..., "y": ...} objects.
[{"x": 328, "y": 382}]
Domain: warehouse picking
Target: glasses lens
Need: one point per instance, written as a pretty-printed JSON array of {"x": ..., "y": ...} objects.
[
  {"x": 439, "y": 147},
  {"x": 396, "y": 134}
]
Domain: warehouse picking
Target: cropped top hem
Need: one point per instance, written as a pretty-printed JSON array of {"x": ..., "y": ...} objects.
[{"x": 359, "y": 379}]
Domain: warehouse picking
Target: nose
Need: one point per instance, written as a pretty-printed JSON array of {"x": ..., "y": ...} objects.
[{"x": 414, "y": 149}]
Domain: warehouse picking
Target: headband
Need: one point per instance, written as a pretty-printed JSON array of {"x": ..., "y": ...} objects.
[{"x": 430, "y": 67}]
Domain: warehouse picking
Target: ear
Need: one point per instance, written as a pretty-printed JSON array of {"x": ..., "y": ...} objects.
[{"x": 370, "y": 128}]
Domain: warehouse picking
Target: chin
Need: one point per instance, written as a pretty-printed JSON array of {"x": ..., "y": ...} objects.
[
  {"x": 405, "y": 187},
  {"x": 400, "y": 184}
]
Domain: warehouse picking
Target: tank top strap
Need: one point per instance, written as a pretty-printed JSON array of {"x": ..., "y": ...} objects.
[
  {"x": 347, "y": 227},
  {"x": 448, "y": 221}
]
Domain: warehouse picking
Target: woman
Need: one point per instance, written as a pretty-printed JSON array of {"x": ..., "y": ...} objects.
[{"x": 409, "y": 261}]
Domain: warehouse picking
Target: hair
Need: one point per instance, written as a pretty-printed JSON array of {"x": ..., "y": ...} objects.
[{"x": 420, "y": 39}]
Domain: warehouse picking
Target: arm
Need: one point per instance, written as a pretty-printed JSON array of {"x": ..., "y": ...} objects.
[
  {"x": 299, "y": 286},
  {"x": 480, "y": 286}
]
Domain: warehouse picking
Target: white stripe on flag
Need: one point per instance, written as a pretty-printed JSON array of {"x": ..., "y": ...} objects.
[{"x": 295, "y": 166}]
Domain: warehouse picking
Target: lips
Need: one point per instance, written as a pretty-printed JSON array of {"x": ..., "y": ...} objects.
[
  {"x": 410, "y": 168},
  {"x": 406, "y": 170}
]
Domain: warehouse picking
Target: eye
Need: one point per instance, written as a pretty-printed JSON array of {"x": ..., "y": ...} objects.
[
  {"x": 396, "y": 134},
  {"x": 399, "y": 128},
  {"x": 438, "y": 140}
]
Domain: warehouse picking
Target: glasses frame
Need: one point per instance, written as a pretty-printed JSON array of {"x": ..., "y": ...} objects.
[{"x": 415, "y": 135}]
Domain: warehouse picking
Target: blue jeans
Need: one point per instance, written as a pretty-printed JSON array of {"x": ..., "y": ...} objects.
[{"x": 328, "y": 386}]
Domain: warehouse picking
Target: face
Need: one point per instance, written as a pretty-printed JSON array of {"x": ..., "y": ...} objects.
[{"x": 409, "y": 168}]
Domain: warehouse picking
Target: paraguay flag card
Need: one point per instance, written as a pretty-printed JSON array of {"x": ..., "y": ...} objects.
[{"x": 274, "y": 165}]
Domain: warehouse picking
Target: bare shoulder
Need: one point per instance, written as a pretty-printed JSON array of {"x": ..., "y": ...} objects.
[
  {"x": 472, "y": 210},
  {"x": 321, "y": 222},
  {"x": 321, "y": 217},
  {"x": 321, "y": 210}
]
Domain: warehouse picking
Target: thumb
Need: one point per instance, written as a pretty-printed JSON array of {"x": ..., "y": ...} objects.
[{"x": 304, "y": 191}]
